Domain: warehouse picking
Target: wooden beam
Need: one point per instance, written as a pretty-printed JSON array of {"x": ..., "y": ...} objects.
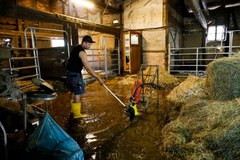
[
  {"x": 107, "y": 7},
  {"x": 21, "y": 12}
]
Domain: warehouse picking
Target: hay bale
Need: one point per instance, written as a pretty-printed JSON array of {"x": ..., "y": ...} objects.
[
  {"x": 224, "y": 141},
  {"x": 208, "y": 130},
  {"x": 190, "y": 88},
  {"x": 223, "y": 76},
  {"x": 194, "y": 115},
  {"x": 223, "y": 137},
  {"x": 174, "y": 136},
  {"x": 177, "y": 142},
  {"x": 201, "y": 156},
  {"x": 166, "y": 80},
  {"x": 198, "y": 150}
]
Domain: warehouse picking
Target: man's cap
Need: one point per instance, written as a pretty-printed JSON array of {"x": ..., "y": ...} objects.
[{"x": 88, "y": 39}]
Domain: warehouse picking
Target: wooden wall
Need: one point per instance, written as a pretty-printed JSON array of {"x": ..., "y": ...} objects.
[{"x": 150, "y": 18}]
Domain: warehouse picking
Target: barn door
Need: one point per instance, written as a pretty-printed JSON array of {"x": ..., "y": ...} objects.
[{"x": 132, "y": 56}]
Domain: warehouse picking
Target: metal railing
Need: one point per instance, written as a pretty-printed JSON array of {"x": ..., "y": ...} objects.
[
  {"x": 194, "y": 61},
  {"x": 21, "y": 59},
  {"x": 106, "y": 60},
  {"x": 33, "y": 39}
]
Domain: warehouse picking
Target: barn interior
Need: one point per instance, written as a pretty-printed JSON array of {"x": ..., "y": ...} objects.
[{"x": 182, "y": 55}]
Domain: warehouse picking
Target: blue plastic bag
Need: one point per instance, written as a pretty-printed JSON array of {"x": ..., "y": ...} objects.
[{"x": 50, "y": 140}]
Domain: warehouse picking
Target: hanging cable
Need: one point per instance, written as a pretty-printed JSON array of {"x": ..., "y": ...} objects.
[{"x": 101, "y": 16}]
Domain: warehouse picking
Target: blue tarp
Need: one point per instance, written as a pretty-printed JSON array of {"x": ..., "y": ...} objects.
[{"x": 49, "y": 139}]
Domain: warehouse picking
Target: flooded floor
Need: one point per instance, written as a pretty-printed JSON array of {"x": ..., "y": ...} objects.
[{"x": 107, "y": 133}]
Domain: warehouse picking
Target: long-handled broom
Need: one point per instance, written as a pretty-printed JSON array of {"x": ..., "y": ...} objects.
[{"x": 128, "y": 109}]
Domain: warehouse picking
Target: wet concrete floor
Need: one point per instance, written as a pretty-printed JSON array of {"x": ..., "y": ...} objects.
[{"x": 107, "y": 132}]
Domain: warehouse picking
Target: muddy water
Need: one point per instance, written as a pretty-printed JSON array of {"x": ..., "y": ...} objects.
[{"x": 107, "y": 132}]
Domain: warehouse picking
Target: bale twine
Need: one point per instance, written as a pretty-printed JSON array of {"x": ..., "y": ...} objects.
[
  {"x": 190, "y": 88},
  {"x": 223, "y": 76}
]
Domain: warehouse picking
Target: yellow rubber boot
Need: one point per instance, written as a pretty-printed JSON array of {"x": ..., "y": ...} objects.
[
  {"x": 135, "y": 109},
  {"x": 76, "y": 110}
]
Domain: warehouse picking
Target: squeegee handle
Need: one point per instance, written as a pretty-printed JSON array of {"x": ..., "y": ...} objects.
[{"x": 114, "y": 95}]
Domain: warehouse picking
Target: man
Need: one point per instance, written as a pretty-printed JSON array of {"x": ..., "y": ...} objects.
[{"x": 76, "y": 62}]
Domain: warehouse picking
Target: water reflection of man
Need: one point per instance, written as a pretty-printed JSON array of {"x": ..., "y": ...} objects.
[{"x": 76, "y": 62}]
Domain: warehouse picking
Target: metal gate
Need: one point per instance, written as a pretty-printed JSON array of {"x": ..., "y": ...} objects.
[{"x": 194, "y": 61}]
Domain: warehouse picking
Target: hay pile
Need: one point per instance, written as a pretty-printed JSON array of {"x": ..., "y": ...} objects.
[
  {"x": 204, "y": 130},
  {"x": 191, "y": 88},
  {"x": 166, "y": 80},
  {"x": 26, "y": 85},
  {"x": 223, "y": 76}
]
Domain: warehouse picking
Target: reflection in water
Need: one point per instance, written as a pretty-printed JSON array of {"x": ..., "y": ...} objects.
[
  {"x": 107, "y": 134},
  {"x": 90, "y": 138}
]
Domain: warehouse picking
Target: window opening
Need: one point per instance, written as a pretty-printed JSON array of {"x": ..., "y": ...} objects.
[
  {"x": 57, "y": 43},
  {"x": 216, "y": 33}
]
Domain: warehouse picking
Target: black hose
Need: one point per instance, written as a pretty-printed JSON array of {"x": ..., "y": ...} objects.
[
  {"x": 147, "y": 84},
  {"x": 5, "y": 141}
]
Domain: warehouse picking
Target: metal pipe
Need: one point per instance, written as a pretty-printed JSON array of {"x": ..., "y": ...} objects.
[
  {"x": 196, "y": 62},
  {"x": 114, "y": 95},
  {"x": 195, "y": 7},
  {"x": 205, "y": 8},
  {"x": 230, "y": 42},
  {"x": 119, "y": 58},
  {"x": 5, "y": 141},
  {"x": 24, "y": 108},
  {"x": 105, "y": 57}
]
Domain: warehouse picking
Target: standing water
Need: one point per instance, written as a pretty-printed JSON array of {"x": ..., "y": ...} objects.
[{"x": 107, "y": 133}]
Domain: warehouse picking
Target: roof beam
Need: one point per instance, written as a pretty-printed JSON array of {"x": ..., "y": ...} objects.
[
  {"x": 106, "y": 6},
  {"x": 21, "y": 12}
]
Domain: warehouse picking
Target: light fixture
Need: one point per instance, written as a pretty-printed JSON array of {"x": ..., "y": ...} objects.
[
  {"x": 115, "y": 21},
  {"x": 83, "y": 3}
]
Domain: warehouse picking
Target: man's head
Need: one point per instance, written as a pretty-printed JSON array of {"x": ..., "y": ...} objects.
[{"x": 87, "y": 42}]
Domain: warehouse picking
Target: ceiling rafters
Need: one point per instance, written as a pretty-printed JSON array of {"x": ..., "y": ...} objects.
[
  {"x": 106, "y": 6},
  {"x": 21, "y": 12}
]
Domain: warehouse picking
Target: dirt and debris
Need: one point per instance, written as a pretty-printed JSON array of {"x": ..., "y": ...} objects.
[{"x": 186, "y": 124}]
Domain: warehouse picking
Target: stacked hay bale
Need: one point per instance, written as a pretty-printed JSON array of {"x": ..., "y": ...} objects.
[
  {"x": 192, "y": 87},
  {"x": 206, "y": 128},
  {"x": 223, "y": 78}
]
